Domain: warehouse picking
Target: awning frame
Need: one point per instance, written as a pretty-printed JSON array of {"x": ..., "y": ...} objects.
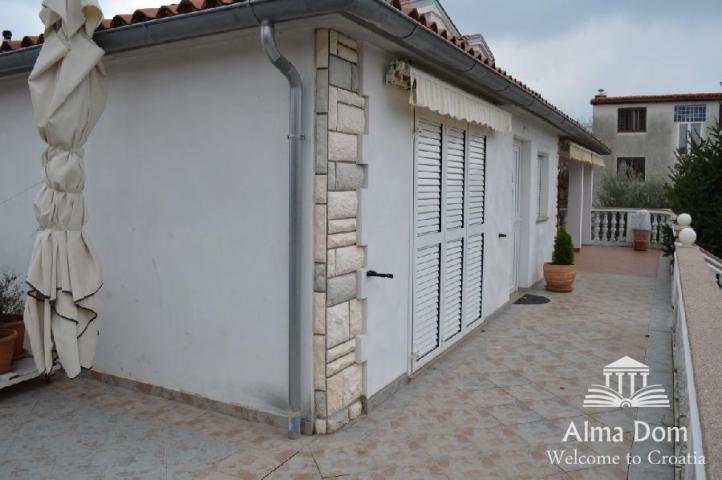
[
  {"x": 432, "y": 93},
  {"x": 569, "y": 150}
]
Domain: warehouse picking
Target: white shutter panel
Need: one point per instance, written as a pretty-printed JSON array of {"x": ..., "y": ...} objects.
[
  {"x": 453, "y": 284},
  {"x": 426, "y": 300},
  {"x": 428, "y": 177},
  {"x": 474, "y": 278},
  {"x": 455, "y": 155},
  {"x": 427, "y": 224},
  {"x": 477, "y": 178}
]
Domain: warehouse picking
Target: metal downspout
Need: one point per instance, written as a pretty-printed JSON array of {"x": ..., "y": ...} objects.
[{"x": 295, "y": 250}]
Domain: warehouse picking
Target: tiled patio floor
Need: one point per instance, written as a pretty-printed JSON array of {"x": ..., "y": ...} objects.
[
  {"x": 622, "y": 261},
  {"x": 488, "y": 409}
]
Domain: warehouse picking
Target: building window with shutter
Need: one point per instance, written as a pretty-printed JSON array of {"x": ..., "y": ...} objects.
[
  {"x": 630, "y": 120},
  {"x": 690, "y": 121},
  {"x": 631, "y": 166},
  {"x": 543, "y": 188}
]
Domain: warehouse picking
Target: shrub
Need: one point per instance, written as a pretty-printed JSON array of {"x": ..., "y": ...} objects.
[
  {"x": 667, "y": 241},
  {"x": 563, "y": 253},
  {"x": 627, "y": 190},
  {"x": 695, "y": 187},
  {"x": 12, "y": 298}
]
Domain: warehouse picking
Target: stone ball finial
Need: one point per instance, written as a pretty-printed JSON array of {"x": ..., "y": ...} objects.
[
  {"x": 687, "y": 236},
  {"x": 684, "y": 220}
]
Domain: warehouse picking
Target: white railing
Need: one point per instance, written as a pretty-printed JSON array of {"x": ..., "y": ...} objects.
[
  {"x": 714, "y": 264},
  {"x": 687, "y": 407},
  {"x": 609, "y": 226}
]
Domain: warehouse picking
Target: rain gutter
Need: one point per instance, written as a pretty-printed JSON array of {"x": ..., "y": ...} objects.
[
  {"x": 428, "y": 48},
  {"x": 295, "y": 214}
]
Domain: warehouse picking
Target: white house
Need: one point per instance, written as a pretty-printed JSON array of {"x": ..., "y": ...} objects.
[{"x": 420, "y": 159}]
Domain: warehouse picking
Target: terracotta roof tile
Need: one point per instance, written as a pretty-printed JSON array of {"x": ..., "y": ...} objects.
[
  {"x": 144, "y": 14},
  {"x": 105, "y": 24},
  {"x": 30, "y": 41},
  {"x": 167, "y": 11},
  {"x": 188, "y": 6},
  {"x": 121, "y": 20}
]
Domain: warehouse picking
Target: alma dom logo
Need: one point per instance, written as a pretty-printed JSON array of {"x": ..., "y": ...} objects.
[
  {"x": 626, "y": 385},
  {"x": 637, "y": 394}
]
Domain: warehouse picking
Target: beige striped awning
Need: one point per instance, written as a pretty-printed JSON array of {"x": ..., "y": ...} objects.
[
  {"x": 571, "y": 151},
  {"x": 438, "y": 96}
]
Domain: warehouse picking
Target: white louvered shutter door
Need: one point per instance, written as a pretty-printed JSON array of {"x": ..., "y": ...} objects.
[
  {"x": 453, "y": 222},
  {"x": 449, "y": 183},
  {"x": 474, "y": 260},
  {"x": 428, "y": 237}
]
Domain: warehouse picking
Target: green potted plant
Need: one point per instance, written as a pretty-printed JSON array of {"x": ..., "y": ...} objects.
[
  {"x": 7, "y": 349},
  {"x": 12, "y": 302},
  {"x": 561, "y": 272}
]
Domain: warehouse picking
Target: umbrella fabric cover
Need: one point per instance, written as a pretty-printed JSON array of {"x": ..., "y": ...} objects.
[{"x": 68, "y": 96}]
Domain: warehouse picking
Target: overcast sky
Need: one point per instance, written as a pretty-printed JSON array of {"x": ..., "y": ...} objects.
[{"x": 566, "y": 49}]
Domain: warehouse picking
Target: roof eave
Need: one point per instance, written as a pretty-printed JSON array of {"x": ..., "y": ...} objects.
[{"x": 376, "y": 15}]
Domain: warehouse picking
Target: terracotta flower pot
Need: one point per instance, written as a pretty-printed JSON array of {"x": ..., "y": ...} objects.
[
  {"x": 7, "y": 348},
  {"x": 641, "y": 239},
  {"x": 15, "y": 322},
  {"x": 560, "y": 278}
]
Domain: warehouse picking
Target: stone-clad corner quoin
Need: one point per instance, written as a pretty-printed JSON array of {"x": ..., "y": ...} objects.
[{"x": 338, "y": 316}]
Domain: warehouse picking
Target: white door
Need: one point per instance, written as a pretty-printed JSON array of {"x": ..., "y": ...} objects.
[
  {"x": 386, "y": 231},
  {"x": 449, "y": 171},
  {"x": 515, "y": 235}
]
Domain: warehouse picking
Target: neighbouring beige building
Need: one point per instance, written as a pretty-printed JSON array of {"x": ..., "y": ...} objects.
[{"x": 644, "y": 132}]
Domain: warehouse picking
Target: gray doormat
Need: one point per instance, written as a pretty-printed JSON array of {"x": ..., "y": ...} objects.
[{"x": 530, "y": 299}]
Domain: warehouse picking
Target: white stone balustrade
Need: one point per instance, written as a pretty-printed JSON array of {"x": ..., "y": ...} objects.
[{"x": 609, "y": 226}]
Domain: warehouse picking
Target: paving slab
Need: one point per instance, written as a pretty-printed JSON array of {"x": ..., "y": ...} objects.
[{"x": 491, "y": 408}]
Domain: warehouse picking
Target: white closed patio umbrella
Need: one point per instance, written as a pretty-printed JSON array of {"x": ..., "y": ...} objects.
[{"x": 66, "y": 87}]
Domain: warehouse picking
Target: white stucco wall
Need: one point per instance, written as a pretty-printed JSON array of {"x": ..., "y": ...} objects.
[
  {"x": 187, "y": 195},
  {"x": 187, "y": 192},
  {"x": 20, "y": 173},
  {"x": 498, "y": 218},
  {"x": 538, "y": 234}
]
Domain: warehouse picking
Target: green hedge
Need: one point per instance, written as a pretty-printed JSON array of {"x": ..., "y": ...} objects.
[{"x": 695, "y": 187}]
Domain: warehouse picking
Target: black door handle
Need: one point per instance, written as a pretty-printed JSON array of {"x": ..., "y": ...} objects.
[
  {"x": 374, "y": 273},
  {"x": 502, "y": 235}
]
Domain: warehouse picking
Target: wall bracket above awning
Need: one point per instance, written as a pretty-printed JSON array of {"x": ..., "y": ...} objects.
[{"x": 441, "y": 97}]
